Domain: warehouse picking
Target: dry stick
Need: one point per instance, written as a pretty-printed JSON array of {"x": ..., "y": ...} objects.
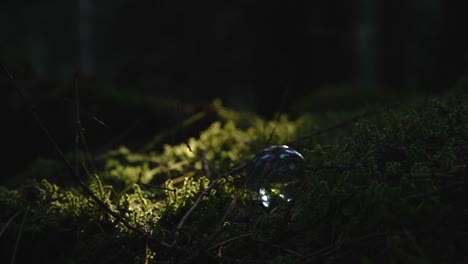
[
  {"x": 157, "y": 187},
  {"x": 79, "y": 136},
  {"x": 206, "y": 166},
  {"x": 9, "y": 221},
  {"x": 329, "y": 250},
  {"x": 337, "y": 246},
  {"x": 103, "y": 147},
  {"x": 290, "y": 251},
  {"x": 78, "y": 126},
  {"x": 219, "y": 226},
  {"x": 278, "y": 115},
  {"x": 85, "y": 188},
  {"x": 331, "y": 167},
  {"x": 343, "y": 123},
  {"x": 230, "y": 240},
  {"x": 118, "y": 138},
  {"x": 204, "y": 192},
  {"x": 18, "y": 237},
  {"x": 434, "y": 192},
  {"x": 207, "y": 190}
]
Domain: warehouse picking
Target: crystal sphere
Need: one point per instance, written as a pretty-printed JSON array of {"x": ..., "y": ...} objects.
[{"x": 273, "y": 174}]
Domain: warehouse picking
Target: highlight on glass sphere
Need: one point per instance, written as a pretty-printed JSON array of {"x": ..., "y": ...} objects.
[{"x": 273, "y": 173}]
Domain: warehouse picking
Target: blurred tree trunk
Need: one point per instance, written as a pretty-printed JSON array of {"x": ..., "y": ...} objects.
[
  {"x": 421, "y": 53},
  {"x": 412, "y": 42},
  {"x": 367, "y": 48},
  {"x": 85, "y": 31}
]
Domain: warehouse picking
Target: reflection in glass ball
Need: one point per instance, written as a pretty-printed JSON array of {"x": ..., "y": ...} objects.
[{"x": 274, "y": 172}]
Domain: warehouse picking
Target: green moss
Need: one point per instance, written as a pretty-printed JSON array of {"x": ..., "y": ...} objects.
[{"x": 390, "y": 188}]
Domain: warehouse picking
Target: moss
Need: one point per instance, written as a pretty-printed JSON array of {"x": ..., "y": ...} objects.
[{"x": 389, "y": 188}]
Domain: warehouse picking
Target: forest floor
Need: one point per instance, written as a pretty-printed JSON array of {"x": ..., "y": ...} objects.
[{"x": 378, "y": 181}]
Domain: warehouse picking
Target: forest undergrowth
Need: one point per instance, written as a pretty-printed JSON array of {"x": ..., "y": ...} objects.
[{"x": 381, "y": 184}]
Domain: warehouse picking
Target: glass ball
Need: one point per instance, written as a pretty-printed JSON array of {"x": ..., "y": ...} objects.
[{"x": 273, "y": 174}]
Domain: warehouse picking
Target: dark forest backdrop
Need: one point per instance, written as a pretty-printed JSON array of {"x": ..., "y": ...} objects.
[{"x": 249, "y": 53}]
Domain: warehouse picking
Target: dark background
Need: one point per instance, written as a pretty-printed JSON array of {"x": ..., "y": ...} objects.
[{"x": 259, "y": 56}]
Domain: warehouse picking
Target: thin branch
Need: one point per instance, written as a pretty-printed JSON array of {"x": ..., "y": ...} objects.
[
  {"x": 79, "y": 134},
  {"x": 118, "y": 138},
  {"x": 9, "y": 221},
  {"x": 435, "y": 192},
  {"x": 205, "y": 192},
  {"x": 206, "y": 166},
  {"x": 78, "y": 126},
  {"x": 7, "y": 73},
  {"x": 337, "y": 246},
  {"x": 229, "y": 241},
  {"x": 157, "y": 187},
  {"x": 290, "y": 251},
  {"x": 219, "y": 226},
  {"x": 343, "y": 123},
  {"x": 278, "y": 115},
  {"x": 236, "y": 169},
  {"x": 18, "y": 238},
  {"x": 195, "y": 204},
  {"x": 331, "y": 167},
  {"x": 72, "y": 171}
]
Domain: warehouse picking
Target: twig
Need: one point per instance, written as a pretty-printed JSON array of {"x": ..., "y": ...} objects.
[
  {"x": 236, "y": 169},
  {"x": 225, "y": 215},
  {"x": 204, "y": 192},
  {"x": 195, "y": 204},
  {"x": 9, "y": 221},
  {"x": 118, "y": 138},
  {"x": 229, "y": 241},
  {"x": 157, "y": 187},
  {"x": 18, "y": 238},
  {"x": 78, "y": 125},
  {"x": 435, "y": 192},
  {"x": 147, "y": 256},
  {"x": 337, "y": 246},
  {"x": 331, "y": 167},
  {"x": 367, "y": 155},
  {"x": 206, "y": 166},
  {"x": 79, "y": 134},
  {"x": 343, "y": 123},
  {"x": 290, "y": 251},
  {"x": 219, "y": 226},
  {"x": 278, "y": 115},
  {"x": 72, "y": 171}
]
